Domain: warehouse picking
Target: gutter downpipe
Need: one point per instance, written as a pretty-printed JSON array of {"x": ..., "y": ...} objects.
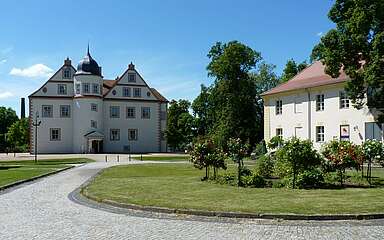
[{"x": 309, "y": 114}]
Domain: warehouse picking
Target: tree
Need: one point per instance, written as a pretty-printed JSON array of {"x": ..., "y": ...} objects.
[
  {"x": 237, "y": 151},
  {"x": 18, "y": 133},
  {"x": 356, "y": 46},
  {"x": 292, "y": 69},
  {"x": 7, "y": 118},
  {"x": 179, "y": 124},
  {"x": 373, "y": 151},
  {"x": 203, "y": 111},
  {"x": 233, "y": 94}
]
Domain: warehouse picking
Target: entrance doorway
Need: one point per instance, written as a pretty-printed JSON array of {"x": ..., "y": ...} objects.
[{"x": 96, "y": 146}]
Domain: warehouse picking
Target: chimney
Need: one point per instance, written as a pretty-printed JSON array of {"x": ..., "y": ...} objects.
[
  {"x": 131, "y": 66},
  {"x": 22, "y": 112},
  {"x": 67, "y": 62}
]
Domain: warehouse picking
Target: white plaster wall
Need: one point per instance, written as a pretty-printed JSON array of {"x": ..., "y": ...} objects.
[
  {"x": 147, "y": 128},
  {"x": 65, "y": 124}
]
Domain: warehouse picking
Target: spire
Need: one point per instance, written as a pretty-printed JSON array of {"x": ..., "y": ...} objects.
[{"x": 88, "y": 49}]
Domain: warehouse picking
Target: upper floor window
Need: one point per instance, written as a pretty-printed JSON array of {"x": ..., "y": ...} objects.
[
  {"x": 320, "y": 102},
  {"x": 344, "y": 100},
  {"x": 126, "y": 92},
  {"x": 145, "y": 112},
  {"x": 137, "y": 92},
  {"x": 65, "y": 111},
  {"x": 77, "y": 88},
  {"x": 95, "y": 88},
  {"x": 131, "y": 112},
  {"x": 132, "y": 134},
  {"x": 67, "y": 73},
  {"x": 279, "y": 107},
  {"x": 319, "y": 133},
  {"x": 47, "y": 111},
  {"x": 131, "y": 77},
  {"x": 94, "y": 107},
  {"x": 55, "y": 134},
  {"x": 114, "y": 135},
  {"x": 61, "y": 89},
  {"x": 114, "y": 111},
  {"x": 93, "y": 124},
  {"x": 86, "y": 88}
]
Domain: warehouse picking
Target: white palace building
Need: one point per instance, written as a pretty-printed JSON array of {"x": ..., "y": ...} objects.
[
  {"x": 314, "y": 106},
  {"x": 80, "y": 112}
]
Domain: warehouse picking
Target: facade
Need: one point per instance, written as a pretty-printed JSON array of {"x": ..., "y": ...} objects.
[
  {"x": 80, "y": 112},
  {"x": 314, "y": 106}
]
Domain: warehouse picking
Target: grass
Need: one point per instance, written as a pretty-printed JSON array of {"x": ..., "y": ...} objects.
[
  {"x": 164, "y": 158},
  {"x": 179, "y": 186},
  {"x": 14, "y": 171}
]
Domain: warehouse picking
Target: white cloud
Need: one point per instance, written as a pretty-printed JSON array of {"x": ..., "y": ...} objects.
[
  {"x": 5, "y": 95},
  {"x": 3, "y": 61},
  {"x": 37, "y": 70},
  {"x": 319, "y": 34}
]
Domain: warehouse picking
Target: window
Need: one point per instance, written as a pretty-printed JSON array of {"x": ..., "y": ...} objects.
[
  {"x": 163, "y": 115},
  {"x": 61, "y": 89},
  {"x": 131, "y": 77},
  {"x": 47, "y": 111},
  {"x": 114, "y": 135},
  {"x": 55, "y": 134},
  {"x": 344, "y": 100},
  {"x": 131, "y": 112},
  {"x": 114, "y": 111},
  {"x": 77, "y": 88},
  {"x": 85, "y": 87},
  {"x": 93, "y": 124},
  {"x": 319, "y": 133},
  {"x": 132, "y": 134},
  {"x": 65, "y": 111},
  {"x": 279, "y": 132},
  {"x": 145, "y": 112},
  {"x": 67, "y": 73},
  {"x": 320, "y": 102},
  {"x": 94, "y": 107},
  {"x": 373, "y": 130},
  {"x": 279, "y": 107},
  {"x": 95, "y": 88},
  {"x": 137, "y": 92},
  {"x": 126, "y": 92}
]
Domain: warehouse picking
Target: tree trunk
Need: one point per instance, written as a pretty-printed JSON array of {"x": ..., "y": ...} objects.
[{"x": 238, "y": 175}]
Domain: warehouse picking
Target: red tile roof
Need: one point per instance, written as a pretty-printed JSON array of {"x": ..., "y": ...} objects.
[
  {"x": 157, "y": 95},
  {"x": 311, "y": 76}
]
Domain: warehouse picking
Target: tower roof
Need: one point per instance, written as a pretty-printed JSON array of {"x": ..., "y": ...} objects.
[{"x": 88, "y": 65}]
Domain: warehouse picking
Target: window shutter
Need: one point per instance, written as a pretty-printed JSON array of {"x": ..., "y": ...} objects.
[{"x": 368, "y": 131}]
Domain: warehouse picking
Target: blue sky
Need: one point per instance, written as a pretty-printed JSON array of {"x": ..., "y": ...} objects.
[{"x": 167, "y": 40}]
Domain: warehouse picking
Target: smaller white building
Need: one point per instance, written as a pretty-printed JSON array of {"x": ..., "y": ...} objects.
[{"x": 314, "y": 106}]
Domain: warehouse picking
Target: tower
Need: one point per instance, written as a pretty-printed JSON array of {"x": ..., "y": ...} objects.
[{"x": 88, "y": 107}]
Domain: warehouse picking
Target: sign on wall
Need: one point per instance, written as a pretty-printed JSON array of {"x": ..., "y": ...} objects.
[{"x": 344, "y": 132}]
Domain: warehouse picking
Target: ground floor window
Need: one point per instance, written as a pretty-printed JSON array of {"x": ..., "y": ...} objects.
[
  {"x": 115, "y": 135},
  {"x": 320, "y": 134},
  {"x": 373, "y": 130},
  {"x": 132, "y": 134},
  {"x": 55, "y": 134},
  {"x": 279, "y": 132}
]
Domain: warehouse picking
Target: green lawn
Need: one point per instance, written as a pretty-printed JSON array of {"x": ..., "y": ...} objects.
[
  {"x": 13, "y": 171},
  {"x": 179, "y": 186},
  {"x": 163, "y": 158}
]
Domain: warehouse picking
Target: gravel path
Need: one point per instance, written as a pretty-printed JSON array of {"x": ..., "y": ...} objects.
[{"x": 42, "y": 210}]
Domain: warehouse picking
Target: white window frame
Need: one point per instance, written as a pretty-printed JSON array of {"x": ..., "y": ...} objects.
[
  {"x": 78, "y": 88},
  {"x": 144, "y": 113},
  {"x": 93, "y": 124},
  {"x": 86, "y": 88},
  {"x": 114, "y": 134},
  {"x": 320, "y": 102},
  {"x": 47, "y": 111},
  {"x": 67, "y": 73},
  {"x": 95, "y": 88},
  {"x": 135, "y": 136},
  {"x": 131, "y": 75},
  {"x": 61, "y": 89},
  {"x": 126, "y": 91},
  {"x": 136, "y": 92},
  {"x": 279, "y": 132},
  {"x": 94, "y": 107},
  {"x": 279, "y": 107},
  {"x": 320, "y": 134},
  {"x": 62, "y": 111},
  {"x": 112, "y": 114},
  {"x": 132, "y": 110},
  {"x": 52, "y": 135},
  {"x": 343, "y": 100}
]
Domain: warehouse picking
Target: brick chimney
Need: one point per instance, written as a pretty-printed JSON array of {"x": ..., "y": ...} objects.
[
  {"x": 131, "y": 66},
  {"x": 22, "y": 110},
  {"x": 67, "y": 62}
]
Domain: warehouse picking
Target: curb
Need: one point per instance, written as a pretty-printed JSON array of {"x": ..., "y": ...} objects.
[
  {"x": 14, "y": 184},
  {"x": 230, "y": 215}
]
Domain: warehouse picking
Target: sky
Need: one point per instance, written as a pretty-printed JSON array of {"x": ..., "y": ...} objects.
[{"x": 167, "y": 40}]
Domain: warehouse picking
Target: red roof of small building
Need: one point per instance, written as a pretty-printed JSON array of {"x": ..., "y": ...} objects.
[{"x": 312, "y": 76}]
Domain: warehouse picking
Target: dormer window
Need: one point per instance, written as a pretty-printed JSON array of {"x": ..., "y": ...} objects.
[
  {"x": 131, "y": 77},
  {"x": 126, "y": 92},
  {"x": 137, "y": 92},
  {"x": 95, "y": 88},
  {"x": 85, "y": 87},
  {"x": 67, "y": 73},
  {"x": 61, "y": 89}
]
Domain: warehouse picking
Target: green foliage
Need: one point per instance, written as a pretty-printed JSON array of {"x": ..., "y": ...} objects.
[
  {"x": 260, "y": 149},
  {"x": 275, "y": 142},
  {"x": 179, "y": 125},
  {"x": 205, "y": 154},
  {"x": 264, "y": 166},
  {"x": 312, "y": 178},
  {"x": 237, "y": 151},
  {"x": 341, "y": 155},
  {"x": 373, "y": 150},
  {"x": 254, "y": 180},
  {"x": 296, "y": 156},
  {"x": 227, "y": 178},
  {"x": 292, "y": 69},
  {"x": 7, "y": 118},
  {"x": 203, "y": 110},
  {"x": 356, "y": 46},
  {"x": 18, "y": 135}
]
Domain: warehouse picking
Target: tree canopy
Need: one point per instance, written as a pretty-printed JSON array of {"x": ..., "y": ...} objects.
[
  {"x": 356, "y": 45},
  {"x": 292, "y": 69}
]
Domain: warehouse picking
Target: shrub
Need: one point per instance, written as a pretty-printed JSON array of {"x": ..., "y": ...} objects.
[
  {"x": 310, "y": 179},
  {"x": 264, "y": 166},
  {"x": 275, "y": 142},
  {"x": 259, "y": 150},
  {"x": 254, "y": 180},
  {"x": 227, "y": 178}
]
